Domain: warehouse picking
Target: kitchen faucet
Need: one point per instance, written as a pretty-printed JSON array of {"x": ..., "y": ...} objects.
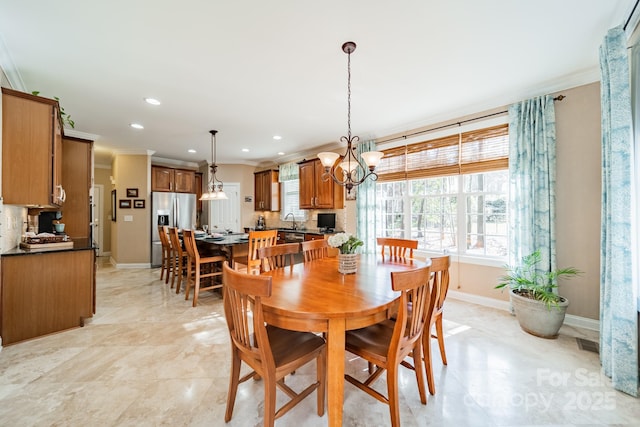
[{"x": 293, "y": 219}]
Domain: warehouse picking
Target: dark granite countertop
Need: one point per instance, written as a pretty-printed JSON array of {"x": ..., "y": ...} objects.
[{"x": 78, "y": 245}]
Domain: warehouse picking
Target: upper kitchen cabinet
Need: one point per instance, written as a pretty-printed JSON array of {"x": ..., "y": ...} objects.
[
  {"x": 31, "y": 150},
  {"x": 267, "y": 191},
  {"x": 316, "y": 193},
  {"x": 173, "y": 180}
]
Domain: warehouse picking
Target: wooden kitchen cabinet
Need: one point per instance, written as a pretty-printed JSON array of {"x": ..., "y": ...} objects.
[
  {"x": 316, "y": 193},
  {"x": 45, "y": 292},
  {"x": 172, "y": 180},
  {"x": 266, "y": 191},
  {"x": 313, "y": 236},
  {"x": 198, "y": 184},
  {"x": 31, "y": 150},
  {"x": 76, "y": 180}
]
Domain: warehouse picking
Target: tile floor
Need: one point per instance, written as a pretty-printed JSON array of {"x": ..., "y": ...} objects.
[{"x": 148, "y": 358}]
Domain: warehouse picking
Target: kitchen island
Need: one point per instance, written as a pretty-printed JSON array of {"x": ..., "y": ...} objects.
[{"x": 46, "y": 291}]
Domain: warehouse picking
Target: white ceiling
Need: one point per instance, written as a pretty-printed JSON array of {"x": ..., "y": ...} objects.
[{"x": 254, "y": 69}]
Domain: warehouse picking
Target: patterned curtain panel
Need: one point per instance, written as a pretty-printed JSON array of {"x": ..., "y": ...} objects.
[
  {"x": 532, "y": 174},
  {"x": 366, "y": 205},
  {"x": 288, "y": 172},
  {"x": 618, "y": 286}
]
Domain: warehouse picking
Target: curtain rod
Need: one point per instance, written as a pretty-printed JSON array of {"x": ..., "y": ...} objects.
[
  {"x": 405, "y": 136},
  {"x": 630, "y": 15}
]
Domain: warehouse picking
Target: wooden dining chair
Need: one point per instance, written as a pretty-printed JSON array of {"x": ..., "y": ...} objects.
[
  {"x": 397, "y": 248},
  {"x": 257, "y": 240},
  {"x": 271, "y": 352},
  {"x": 167, "y": 252},
  {"x": 440, "y": 281},
  {"x": 199, "y": 268},
  {"x": 388, "y": 343},
  {"x": 314, "y": 249},
  {"x": 277, "y": 256},
  {"x": 179, "y": 258}
]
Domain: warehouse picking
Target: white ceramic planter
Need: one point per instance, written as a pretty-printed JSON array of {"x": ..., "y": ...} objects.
[{"x": 535, "y": 318}]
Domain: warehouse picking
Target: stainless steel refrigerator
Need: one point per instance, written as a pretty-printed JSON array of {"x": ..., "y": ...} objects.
[{"x": 173, "y": 210}]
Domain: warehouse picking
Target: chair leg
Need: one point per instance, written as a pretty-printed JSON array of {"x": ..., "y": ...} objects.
[
  {"x": 189, "y": 278},
  {"x": 440, "y": 333},
  {"x": 196, "y": 286},
  {"x": 269, "y": 403},
  {"x": 321, "y": 377},
  {"x": 169, "y": 268},
  {"x": 234, "y": 380},
  {"x": 392, "y": 390},
  {"x": 426, "y": 348},
  {"x": 417, "y": 367},
  {"x": 174, "y": 270},
  {"x": 182, "y": 271}
]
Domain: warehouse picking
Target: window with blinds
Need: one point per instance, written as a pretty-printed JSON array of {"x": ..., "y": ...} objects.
[{"x": 475, "y": 151}]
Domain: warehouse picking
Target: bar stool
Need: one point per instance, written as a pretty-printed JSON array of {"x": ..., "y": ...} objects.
[{"x": 195, "y": 271}]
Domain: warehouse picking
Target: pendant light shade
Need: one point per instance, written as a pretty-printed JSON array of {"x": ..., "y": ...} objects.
[{"x": 215, "y": 186}]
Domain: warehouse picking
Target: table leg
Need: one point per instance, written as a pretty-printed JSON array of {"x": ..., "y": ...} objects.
[{"x": 335, "y": 370}]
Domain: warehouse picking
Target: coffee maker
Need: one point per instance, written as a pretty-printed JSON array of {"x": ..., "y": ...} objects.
[{"x": 260, "y": 224}]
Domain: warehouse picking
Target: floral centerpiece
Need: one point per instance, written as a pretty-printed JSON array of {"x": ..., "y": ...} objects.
[{"x": 347, "y": 244}]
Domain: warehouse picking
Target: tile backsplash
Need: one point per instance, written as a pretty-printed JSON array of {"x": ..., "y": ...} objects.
[{"x": 13, "y": 222}]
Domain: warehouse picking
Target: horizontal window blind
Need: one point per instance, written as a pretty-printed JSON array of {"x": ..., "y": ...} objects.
[{"x": 475, "y": 151}]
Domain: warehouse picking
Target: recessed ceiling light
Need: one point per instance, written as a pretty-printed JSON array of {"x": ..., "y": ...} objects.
[
  {"x": 280, "y": 153},
  {"x": 191, "y": 150},
  {"x": 152, "y": 101},
  {"x": 245, "y": 150},
  {"x": 136, "y": 126},
  {"x": 277, "y": 137}
]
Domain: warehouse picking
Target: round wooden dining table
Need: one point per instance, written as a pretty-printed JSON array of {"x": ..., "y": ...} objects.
[{"x": 315, "y": 297}]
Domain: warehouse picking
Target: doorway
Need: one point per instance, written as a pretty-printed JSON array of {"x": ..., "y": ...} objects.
[
  {"x": 97, "y": 231},
  {"x": 225, "y": 214}
]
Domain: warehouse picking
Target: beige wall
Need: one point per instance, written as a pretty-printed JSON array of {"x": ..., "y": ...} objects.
[
  {"x": 578, "y": 196},
  {"x": 130, "y": 240},
  {"x": 102, "y": 176}
]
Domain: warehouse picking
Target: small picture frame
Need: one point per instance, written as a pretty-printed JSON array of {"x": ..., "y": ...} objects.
[
  {"x": 138, "y": 204},
  {"x": 125, "y": 204},
  {"x": 132, "y": 192}
]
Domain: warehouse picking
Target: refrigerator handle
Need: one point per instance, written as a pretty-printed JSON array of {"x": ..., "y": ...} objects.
[{"x": 176, "y": 213}]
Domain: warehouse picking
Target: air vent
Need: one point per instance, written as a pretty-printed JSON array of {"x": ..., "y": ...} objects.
[{"x": 588, "y": 345}]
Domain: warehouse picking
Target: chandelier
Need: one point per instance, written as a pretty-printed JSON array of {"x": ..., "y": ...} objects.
[
  {"x": 353, "y": 171},
  {"x": 215, "y": 191}
]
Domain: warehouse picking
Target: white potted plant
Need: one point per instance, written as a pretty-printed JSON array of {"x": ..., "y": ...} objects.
[{"x": 538, "y": 309}]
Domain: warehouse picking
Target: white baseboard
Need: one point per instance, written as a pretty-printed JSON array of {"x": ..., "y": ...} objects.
[
  {"x": 570, "y": 319},
  {"x": 132, "y": 265}
]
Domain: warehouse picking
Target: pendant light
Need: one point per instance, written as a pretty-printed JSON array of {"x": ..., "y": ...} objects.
[
  {"x": 215, "y": 191},
  {"x": 353, "y": 171}
]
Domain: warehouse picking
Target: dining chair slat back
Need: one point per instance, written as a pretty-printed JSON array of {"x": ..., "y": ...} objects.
[
  {"x": 277, "y": 256},
  {"x": 397, "y": 248},
  {"x": 257, "y": 240},
  {"x": 315, "y": 249},
  {"x": 388, "y": 343},
  {"x": 271, "y": 352}
]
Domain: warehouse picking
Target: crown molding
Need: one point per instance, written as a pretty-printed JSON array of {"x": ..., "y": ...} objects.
[{"x": 9, "y": 68}]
